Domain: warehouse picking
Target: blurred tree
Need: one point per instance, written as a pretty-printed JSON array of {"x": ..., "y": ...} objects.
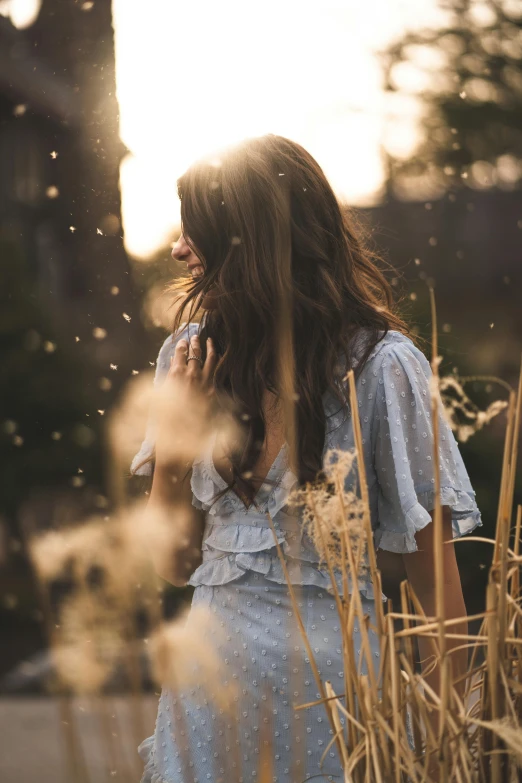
[
  {"x": 76, "y": 40},
  {"x": 70, "y": 331},
  {"x": 462, "y": 81},
  {"x": 467, "y": 75},
  {"x": 50, "y": 433}
]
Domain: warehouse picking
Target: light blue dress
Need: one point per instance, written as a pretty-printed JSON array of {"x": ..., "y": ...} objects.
[{"x": 241, "y": 581}]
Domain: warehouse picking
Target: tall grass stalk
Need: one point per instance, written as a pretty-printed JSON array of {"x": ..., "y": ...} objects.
[
  {"x": 438, "y": 544},
  {"x": 469, "y": 738}
]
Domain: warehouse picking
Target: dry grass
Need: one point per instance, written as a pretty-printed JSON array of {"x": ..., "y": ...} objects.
[{"x": 478, "y": 737}]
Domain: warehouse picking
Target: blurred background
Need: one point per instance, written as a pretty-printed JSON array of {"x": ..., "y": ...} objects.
[{"x": 414, "y": 111}]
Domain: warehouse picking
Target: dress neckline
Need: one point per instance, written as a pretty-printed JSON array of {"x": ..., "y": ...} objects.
[{"x": 274, "y": 474}]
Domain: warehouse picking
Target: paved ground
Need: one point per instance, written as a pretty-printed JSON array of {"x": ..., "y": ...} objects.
[
  {"x": 41, "y": 739},
  {"x": 37, "y": 737}
]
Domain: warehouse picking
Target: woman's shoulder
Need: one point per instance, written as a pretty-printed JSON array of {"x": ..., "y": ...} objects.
[{"x": 392, "y": 345}]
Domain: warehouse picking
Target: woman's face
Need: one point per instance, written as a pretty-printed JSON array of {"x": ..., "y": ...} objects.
[{"x": 182, "y": 252}]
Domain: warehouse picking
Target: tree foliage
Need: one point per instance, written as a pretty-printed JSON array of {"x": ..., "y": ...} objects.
[{"x": 467, "y": 75}]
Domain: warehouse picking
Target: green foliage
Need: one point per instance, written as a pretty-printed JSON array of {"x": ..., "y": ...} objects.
[{"x": 468, "y": 75}]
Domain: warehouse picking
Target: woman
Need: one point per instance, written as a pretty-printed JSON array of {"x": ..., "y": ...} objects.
[{"x": 292, "y": 300}]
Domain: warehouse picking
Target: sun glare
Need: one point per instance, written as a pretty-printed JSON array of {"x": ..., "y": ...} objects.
[
  {"x": 196, "y": 76},
  {"x": 21, "y": 12}
]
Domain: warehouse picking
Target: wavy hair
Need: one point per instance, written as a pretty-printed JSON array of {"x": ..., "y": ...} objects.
[{"x": 291, "y": 281}]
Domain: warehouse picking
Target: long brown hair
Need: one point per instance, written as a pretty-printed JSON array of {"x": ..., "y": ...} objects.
[{"x": 292, "y": 282}]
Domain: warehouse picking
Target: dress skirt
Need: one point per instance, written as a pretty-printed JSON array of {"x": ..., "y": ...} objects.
[{"x": 261, "y": 652}]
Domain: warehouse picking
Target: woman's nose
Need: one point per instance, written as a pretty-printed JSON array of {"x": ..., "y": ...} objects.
[{"x": 180, "y": 249}]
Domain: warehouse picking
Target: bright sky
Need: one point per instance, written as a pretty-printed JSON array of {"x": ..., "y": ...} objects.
[{"x": 195, "y": 75}]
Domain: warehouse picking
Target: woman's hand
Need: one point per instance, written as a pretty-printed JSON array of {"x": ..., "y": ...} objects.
[
  {"x": 183, "y": 410},
  {"x": 186, "y": 365}
]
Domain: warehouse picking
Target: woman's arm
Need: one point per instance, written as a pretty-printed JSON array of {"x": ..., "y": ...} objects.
[
  {"x": 182, "y": 408},
  {"x": 420, "y": 570},
  {"x": 170, "y": 504}
]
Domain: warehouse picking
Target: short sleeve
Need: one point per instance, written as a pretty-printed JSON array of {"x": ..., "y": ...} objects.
[
  {"x": 142, "y": 462},
  {"x": 404, "y": 458}
]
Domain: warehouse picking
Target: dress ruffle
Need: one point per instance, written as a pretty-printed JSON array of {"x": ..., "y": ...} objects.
[
  {"x": 241, "y": 538},
  {"x": 207, "y": 484},
  {"x": 465, "y": 517},
  {"x": 141, "y": 464},
  {"x": 238, "y": 540},
  {"x": 232, "y": 549},
  {"x": 146, "y": 751}
]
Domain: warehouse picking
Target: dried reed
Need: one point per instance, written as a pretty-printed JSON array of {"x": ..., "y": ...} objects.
[{"x": 397, "y": 728}]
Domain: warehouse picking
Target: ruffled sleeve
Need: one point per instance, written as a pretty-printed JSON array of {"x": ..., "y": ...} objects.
[
  {"x": 404, "y": 458},
  {"x": 142, "y": 462}
]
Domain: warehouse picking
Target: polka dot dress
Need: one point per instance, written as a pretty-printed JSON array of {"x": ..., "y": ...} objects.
[
  {"x": 241, "y": 582},
  {"x": 262, "y": 652}
]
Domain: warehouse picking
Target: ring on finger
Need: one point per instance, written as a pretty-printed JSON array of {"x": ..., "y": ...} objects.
[{"x": 197, "y": 358}]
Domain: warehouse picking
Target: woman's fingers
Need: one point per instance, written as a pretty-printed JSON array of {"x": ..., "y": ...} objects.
[
  {"x": 182, "y": 365},
  {"x": 193, "y": 366},
  {"x": 210, "y": 363},
  {"x": 178, "y": 363}
]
